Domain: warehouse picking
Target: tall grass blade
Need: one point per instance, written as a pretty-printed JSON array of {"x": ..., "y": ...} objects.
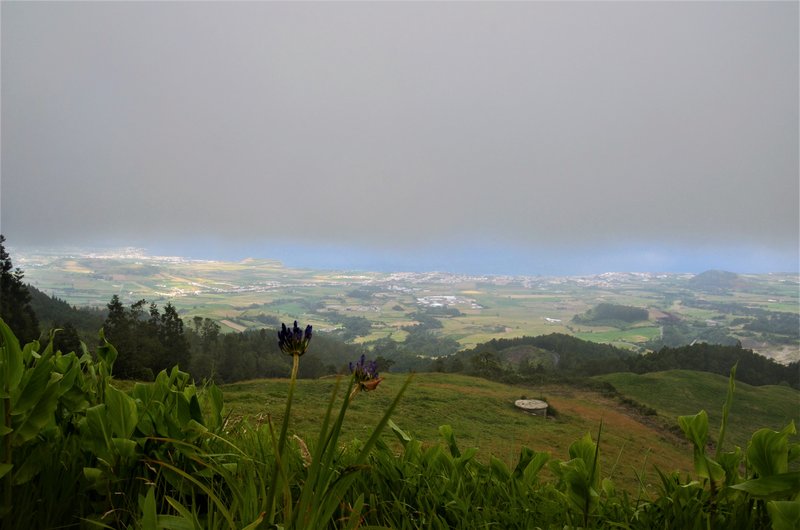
[{"x": 726, "y": 408}]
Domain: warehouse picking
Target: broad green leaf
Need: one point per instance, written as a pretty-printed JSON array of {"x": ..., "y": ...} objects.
[
  {"x": 467, "y": 455},
  {"x": 707, "y": 467},
  {"x": 11, "y": 360},
  {"x": 106, "y": 353},
  {"x": 148, "y": 506},
  {"x": 730, "y": 462},
  {"x": 526, "y": 454},
  {"x": 768, "y": 451},
  {"x": 535, "y": 466},
  {"x": 695, "y": 428},
  {"x": 194, "y": 427},
  {"x": 5, "y": 468},
  {"x": 576, "y": 476},
  {"x": 794, "y": 452},
  {"x": 195, "y": 411},
  {"x": 499, "y": 469},
  {"x": 125, "y": 447},
  {"x": 32, "y": 386},
  {"x": 29, "y": 351},
  {"x": 48, "y": 350},
  {"x": 182, "y": 408},
  {"x": 608, "y": 487},
  {"x": 62, "y": 363},
  {"x": 785, "y": 515},
  {"x": 783, "y": 484},
  {"x": 71, "y": 373},
  {"x": 726, "y": 408},
  {"x": 96, "y": 478},
  {"x": 97, "y": 434},
  {"x": 121, "y": 410},
  {"x": 178, "y": 379},
  {"x": 585, "y": 449},
  {"x": 446, "y": 432},
  {"x": 401, "y": 435},
  {"x": 40, "y": 415},
  {"x": 33, "y": 463},
  {"x": 144, "y": 392}
]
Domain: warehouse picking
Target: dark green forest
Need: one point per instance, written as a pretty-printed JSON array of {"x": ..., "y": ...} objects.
[
  {"x": 528, "y": 359},
  {"x": 615, "y": 315}
]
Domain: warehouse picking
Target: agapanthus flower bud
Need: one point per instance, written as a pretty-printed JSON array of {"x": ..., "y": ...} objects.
[
  {"x": 365, "y": 374},
  {"x": 294, "y": 341}
]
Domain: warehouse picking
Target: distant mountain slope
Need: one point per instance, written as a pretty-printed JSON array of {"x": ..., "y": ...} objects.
[
  {"x": 715, "y": 281},
  {"x": 569, "y": 353},
  {"x": 561, "y": 354},
  {"x": 753, "y": 368},
  {"x": 53, "y": 311},
  {"x": 682, "y": 392}
]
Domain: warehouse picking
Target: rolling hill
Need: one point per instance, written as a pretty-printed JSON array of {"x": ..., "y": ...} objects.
[
  {"x": 482, "y": 414},
  {"x": 682, "y": 392}
]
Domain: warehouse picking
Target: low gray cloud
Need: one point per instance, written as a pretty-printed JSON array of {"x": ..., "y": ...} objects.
[{"x": 402, "y": 124}]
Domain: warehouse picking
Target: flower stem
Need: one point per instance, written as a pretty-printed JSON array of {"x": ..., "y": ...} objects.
[
  {"x": 285, "y": 426},
  {"x": 353, "y": 393},
  {"x": 7, "y": 456},
  {"x": 275, "y": 483}
]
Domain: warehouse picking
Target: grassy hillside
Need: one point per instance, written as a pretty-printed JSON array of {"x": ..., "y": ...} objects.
[
  {"x": 482, "y": 415},
  {"x": 681, "y": 392}
]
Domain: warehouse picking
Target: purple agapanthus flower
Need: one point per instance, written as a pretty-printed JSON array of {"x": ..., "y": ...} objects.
[
  {"x": 366, "y": 374},
  {"x": 294, "y": 341}
]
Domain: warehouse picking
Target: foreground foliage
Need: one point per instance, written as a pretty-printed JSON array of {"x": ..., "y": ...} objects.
[{"x": 79, "y": 452}]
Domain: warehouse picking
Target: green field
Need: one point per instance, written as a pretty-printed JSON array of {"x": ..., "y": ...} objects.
[
  {"x": 681, "y": 392},
  {"x": 482, "y": 414},
  {"x": 489, "y": 307},
  {"x": 629, "y": 336}
]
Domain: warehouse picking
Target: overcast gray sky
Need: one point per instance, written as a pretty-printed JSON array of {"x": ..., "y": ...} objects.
[{"x": 667, "y": 127}]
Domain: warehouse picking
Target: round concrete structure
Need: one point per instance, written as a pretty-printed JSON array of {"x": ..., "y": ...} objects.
[{"x": 532, "y": 406}]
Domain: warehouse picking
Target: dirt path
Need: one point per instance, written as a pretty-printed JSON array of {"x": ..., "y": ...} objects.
[{"x": 233, "y": 325}]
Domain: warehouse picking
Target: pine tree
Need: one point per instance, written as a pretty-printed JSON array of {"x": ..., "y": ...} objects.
[
  {"x": 15, "y": 300},
  {"x": 67, "y": 339},
  {"x": 173, "y": 340},
  {"x": 147, "y": 342}
]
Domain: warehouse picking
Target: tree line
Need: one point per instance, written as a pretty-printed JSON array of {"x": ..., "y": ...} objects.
[
  {"x": 499, "y": 359},
  {"x": 150, "y": 339},
  {"x": 611, "y": 315}
]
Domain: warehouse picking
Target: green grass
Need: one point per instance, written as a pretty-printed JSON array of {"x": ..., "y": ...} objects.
[
  {"x": 481, "y": 414},
  {"x": 630, "y": 335},
  {"x": 676, "y": 393}
]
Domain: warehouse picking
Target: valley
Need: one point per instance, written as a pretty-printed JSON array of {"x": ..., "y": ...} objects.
[{"x": 762, "y": 312}]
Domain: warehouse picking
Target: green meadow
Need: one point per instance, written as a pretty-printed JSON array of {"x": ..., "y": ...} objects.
[{"x": 681, "y": 392}]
